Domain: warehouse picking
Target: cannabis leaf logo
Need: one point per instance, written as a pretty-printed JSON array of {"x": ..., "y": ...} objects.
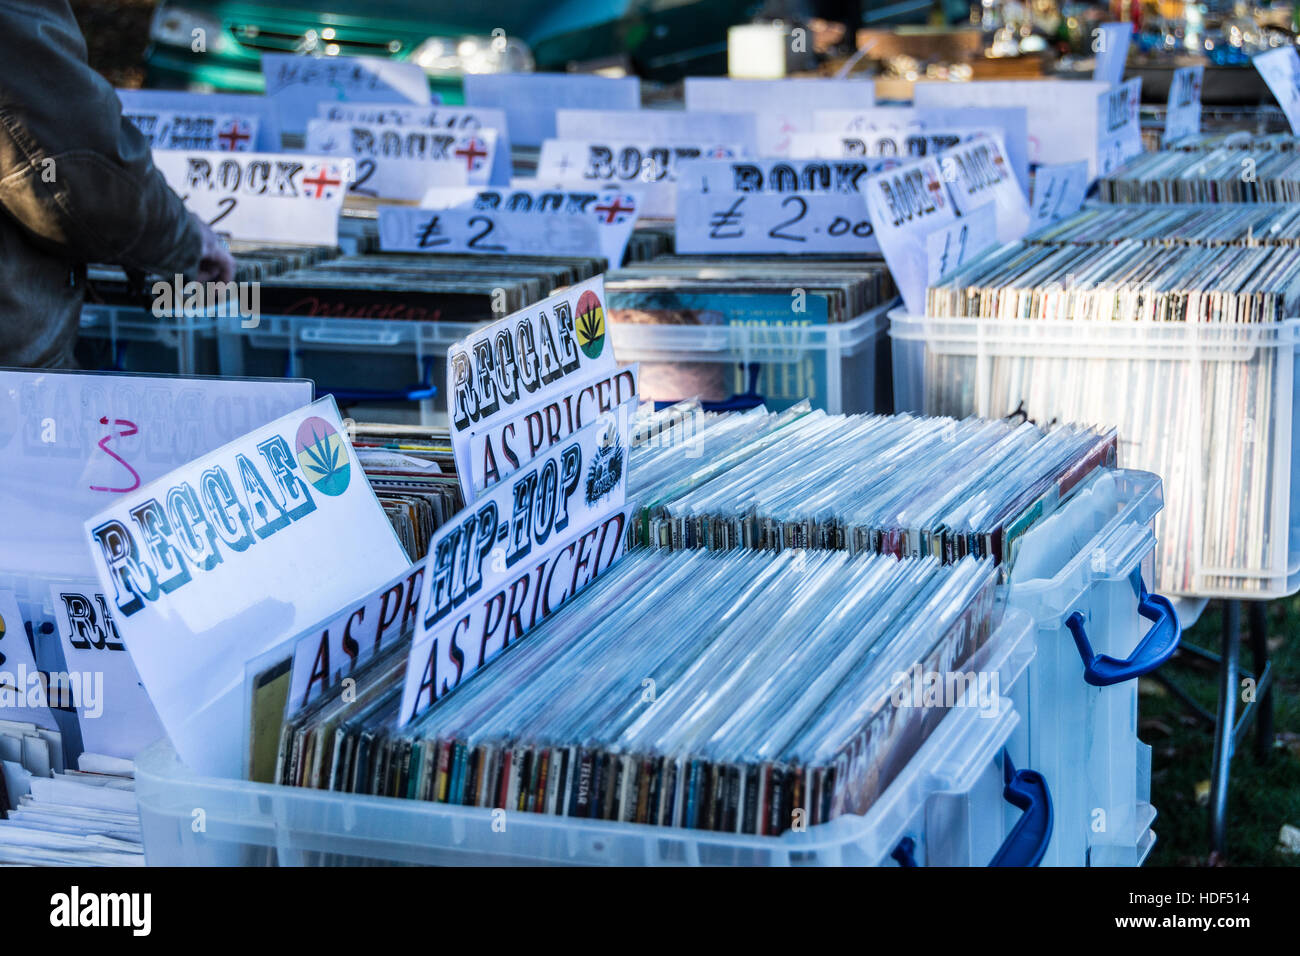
[
  {"x": 322, "y": 456},
  {"x": 591, "y": 324}
]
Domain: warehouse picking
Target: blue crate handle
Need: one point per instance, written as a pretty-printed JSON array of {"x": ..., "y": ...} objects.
[
  {"x": 1028, "y": 839},
  {"x": 736, "y": 403},
  {"x": 1156, "y": 647}
]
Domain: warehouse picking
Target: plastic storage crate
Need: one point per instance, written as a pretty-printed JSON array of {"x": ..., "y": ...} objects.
[
  {"x": 373, "y": 360},
  {"x": 946, "y": 807},
  {"x": 841, "y": 367},
  {"x": 132, "y": 339},
  {"x": 1080, "y": 574},
  {"x": 1209, "y": 408}
]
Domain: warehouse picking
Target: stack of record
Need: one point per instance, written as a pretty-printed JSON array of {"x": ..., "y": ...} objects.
[
  {"x": 413, "y": 474},
  {"x": 899, "y": 485},
  {"x": 254, "y": 262},
  {"x": 765, "y": 295},
  {"x": 1225, "y": 174},
  {"x": 1262, "y": 224},
  {"x": 708, "y": 702},
  {"x": 414, "y": 287}
]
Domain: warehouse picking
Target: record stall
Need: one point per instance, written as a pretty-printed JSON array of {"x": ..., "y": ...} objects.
[{"x": 644, "y": 539}]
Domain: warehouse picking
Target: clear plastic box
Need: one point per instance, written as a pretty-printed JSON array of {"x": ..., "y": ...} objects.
[
  {"x": 948, "y": 801},
  {"x": 841, "y": 367},
  {"x": 373, "y": 360},
  {"x": 1209, "y": 408},
  {"x": 135, "y": 340},
  {"x": 1080, "y": 573}
]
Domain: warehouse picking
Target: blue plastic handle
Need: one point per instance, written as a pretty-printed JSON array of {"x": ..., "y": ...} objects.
[
  {"x": 1027, "y": 841},
  {"x": 1155, "y": 648},
  {"x": 905, "y": 853}
]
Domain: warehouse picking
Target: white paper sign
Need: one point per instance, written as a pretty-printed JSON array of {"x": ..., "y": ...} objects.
[
  {"x": 663, "y": 126},
  {"x": 404, "y": 162},
  {"x": 649, "y": 167},
  {"x": 1183, "y": 114},
  {"x": 1058, "y": 192},
  {"x": 1110, "y": 42},
  {"x": 950, "y": 247},
  {"x": 501, "y": 450},
  {"x": 435, "y": 116},
  {"x": 499, "y": 370},
  {"x": 23, "y": 692},
  {"x": 227, "y": 556},
  {"x": 328, "y": 652},
  {"x": 831, "y": 176},
  {"x": 979, "y": 171},
  {"x": 766, "y": 223},
  {"x": 114, "y": 712},
  {"x": 262, "y": 197},
  {"x": 606, "y": 216},
  {"x": 247, "y": 105},
  {"x": 171, "y": 129},
  {"x": 905, "y": 205},
  {"x": 516, "y": 554},
  {"x": 780, "y": 107},
  {"x": 74, "y": 441},
  {"x": 296, "y": 84},
  {"x": 1062, "y": 115},
  {"x": 1011, "y": 121},
  {"x": 901, "y": 144},
  {"x": 1280, "y": 69},
  {"x": 612, "y": 211},
  {"x": 766, "y": 206},
  {"x": 443, "y": 117},
  {"x": 531, "y": 99},
  {"x": 1119, "y": 133},
  {"x": 479, "y": 232}
]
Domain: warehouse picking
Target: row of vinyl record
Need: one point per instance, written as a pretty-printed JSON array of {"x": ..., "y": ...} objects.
[
  {"x": 741, "y": 691},
  {"x": 736, "y": 717},
  {"x": 896, "y": 485}
]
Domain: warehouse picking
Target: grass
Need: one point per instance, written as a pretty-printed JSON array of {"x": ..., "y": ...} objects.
[{"x": 1261, "y": 797}]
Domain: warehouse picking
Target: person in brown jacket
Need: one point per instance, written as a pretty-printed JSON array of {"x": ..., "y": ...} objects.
[{"x": 77, "y": 185}]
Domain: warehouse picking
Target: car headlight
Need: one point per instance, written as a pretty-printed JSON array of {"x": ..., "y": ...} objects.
[
  {"x": 445, "y": 56},
  {"x": 177, "y": 26}
]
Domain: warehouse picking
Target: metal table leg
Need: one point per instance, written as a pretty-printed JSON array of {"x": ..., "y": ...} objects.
[
  {"x": 1259, "y": 658},
  {"x": 1225, "y": 726}
]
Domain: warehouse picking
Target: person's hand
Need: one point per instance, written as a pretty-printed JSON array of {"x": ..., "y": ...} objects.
[{"x": 216, "y": 264}]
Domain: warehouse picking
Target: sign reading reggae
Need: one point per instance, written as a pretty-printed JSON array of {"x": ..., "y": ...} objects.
[
  {"x": 496, "y": 372},
  {"x": 216, "y": 562}
]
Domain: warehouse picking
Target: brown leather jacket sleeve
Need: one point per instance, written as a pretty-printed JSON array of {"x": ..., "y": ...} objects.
[{"x": 75, "y": 174}]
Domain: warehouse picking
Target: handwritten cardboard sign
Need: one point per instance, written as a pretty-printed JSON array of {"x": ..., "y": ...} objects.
[{"x": 267, "y": 197}]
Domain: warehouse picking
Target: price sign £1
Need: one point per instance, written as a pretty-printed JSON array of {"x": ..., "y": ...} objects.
[{"x": 950, "y": 247}]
